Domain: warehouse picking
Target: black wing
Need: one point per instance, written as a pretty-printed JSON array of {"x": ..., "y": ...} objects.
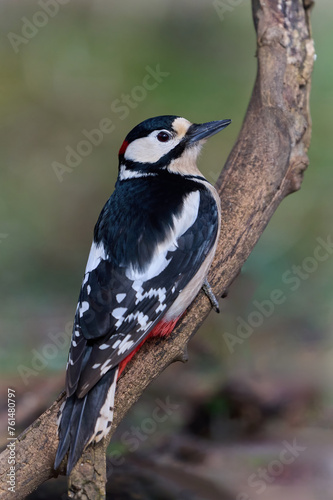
[{"x": 119, "y": 306}]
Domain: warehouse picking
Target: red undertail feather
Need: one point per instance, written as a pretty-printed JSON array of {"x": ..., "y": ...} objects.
[{"x": 162, "y": 329}]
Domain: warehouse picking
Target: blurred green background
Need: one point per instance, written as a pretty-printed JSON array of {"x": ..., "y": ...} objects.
[{"x": 65, "y": 77}]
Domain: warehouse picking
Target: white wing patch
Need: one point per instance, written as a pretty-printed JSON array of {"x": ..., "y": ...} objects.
[
  {"x": 154, "y": 268},
  {"x": 83, "y": 308},
  {"x": 105, "y": 367},
  {"x": 141, "y": 318},
  {"x": 153, "y": 292},
  {"x": 188, "y": 215},
  {"x": 181, "y": 225},
  {"x": 97, "y": 253},
  {"x": 119, "y": 314},
  {"x": 104, "y": 346},
  {"x": 125, "y": 344}
]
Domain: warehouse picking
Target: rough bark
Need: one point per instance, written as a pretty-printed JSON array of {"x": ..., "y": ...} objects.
[{"x": 265, "y": 165}]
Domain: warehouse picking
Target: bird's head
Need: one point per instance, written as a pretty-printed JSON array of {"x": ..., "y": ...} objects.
[{"x": 164, "y": 142}]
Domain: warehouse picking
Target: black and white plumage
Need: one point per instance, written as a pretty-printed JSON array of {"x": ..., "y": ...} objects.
[{"x": 153, "y": 245}]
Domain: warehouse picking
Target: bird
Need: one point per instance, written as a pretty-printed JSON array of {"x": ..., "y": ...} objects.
[{"x": 153, "y": 245}]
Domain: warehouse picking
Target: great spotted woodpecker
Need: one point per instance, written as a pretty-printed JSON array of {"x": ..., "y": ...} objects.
[{"x": 153, "y": 245}]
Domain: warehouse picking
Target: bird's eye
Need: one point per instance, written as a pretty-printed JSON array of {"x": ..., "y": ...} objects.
[{"x": 163, "y": 136}]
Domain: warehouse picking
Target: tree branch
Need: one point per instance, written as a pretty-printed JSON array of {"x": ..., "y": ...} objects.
[{"x": 265, "y": 165}]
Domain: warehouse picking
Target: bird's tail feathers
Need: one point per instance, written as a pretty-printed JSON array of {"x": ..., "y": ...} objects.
[{"x": 87, "y": 419}]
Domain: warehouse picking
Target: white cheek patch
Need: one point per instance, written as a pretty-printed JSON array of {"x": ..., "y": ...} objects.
[{"x": 149, "y": 149}]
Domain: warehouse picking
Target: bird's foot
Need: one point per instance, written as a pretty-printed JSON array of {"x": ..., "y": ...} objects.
[{"x": 209, "y": 292}]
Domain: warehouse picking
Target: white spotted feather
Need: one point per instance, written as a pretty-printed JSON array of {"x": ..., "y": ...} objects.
[{"x": 104, "y": 421}]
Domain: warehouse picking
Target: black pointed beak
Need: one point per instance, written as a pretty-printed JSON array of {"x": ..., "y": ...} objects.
[{"x": 204, "y": 130}]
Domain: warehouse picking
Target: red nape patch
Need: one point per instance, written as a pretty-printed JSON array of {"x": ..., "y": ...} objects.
[
  {"x": 162, "y": 329},
  {"x": 123, "y": 148}
]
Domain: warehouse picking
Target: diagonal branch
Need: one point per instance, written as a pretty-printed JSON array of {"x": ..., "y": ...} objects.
[{"x": 265, "y": 165}]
